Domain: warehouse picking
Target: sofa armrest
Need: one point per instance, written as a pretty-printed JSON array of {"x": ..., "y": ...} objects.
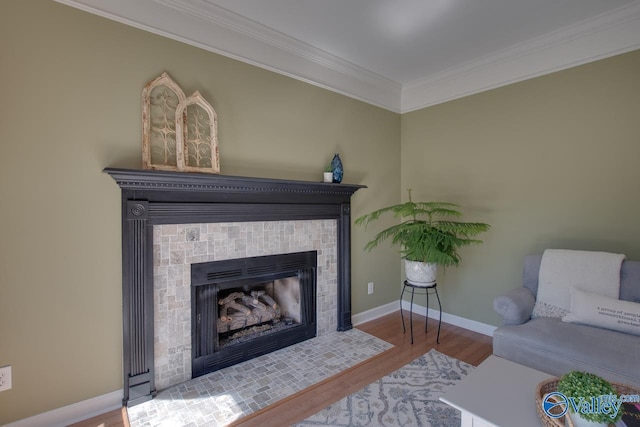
[{"x": 515, "y": 306}]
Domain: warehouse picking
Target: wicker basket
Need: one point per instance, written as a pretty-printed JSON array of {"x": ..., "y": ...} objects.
[{"x": 551, "y": 385}]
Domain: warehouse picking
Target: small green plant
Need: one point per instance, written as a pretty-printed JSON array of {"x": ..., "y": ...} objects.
[
  {"x": 588, "y": 386},
  {"x": 425, "y": 233},
  {"x": 328, "y": 168}
]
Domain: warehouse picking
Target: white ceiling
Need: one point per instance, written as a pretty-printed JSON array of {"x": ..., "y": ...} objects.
[{"x": 398, "y": 54}]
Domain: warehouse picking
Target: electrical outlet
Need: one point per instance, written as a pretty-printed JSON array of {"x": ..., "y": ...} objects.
[
  {"x": 370, "y": 288},
  {"x": 5, "y": 378}
]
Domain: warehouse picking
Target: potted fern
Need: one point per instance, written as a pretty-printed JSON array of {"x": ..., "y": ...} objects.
[{"x": 426, "y": 235}]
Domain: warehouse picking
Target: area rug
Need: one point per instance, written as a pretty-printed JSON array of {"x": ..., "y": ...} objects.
[
  {"x": 221, "y": 397},
  {"x": 406, "y": 397}
]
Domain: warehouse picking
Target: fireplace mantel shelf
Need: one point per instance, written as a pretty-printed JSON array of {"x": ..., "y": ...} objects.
[
  {"x": 150, "y": 180},
  {"x": 152, "y": 198}
]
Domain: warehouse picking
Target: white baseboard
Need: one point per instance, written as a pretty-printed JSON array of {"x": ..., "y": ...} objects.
[
  {"x": 452, "y": 319},
  {"x": 374, "y": 313},
  {"x": 73, "y": 413}
]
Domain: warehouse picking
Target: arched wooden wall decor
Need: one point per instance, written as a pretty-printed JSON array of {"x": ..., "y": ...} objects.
[
  {"x": 197, "y": 133},
  {"x": 178, "y": 133},
  {"x": 160, "y": 100}
]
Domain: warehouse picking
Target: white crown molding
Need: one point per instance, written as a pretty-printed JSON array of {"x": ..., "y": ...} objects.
[
  {"x": 606, "y": 35},
  {"x": 210, "y": 27},
  {"x": 207, "y": 26}
]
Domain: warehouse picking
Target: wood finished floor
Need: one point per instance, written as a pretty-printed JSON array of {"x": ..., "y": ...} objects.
[{"x": 462, "y": 344}]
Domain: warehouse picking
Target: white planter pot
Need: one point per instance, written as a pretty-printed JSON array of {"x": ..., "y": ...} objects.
[
  {"x": 420, "y": 273},
  {"x": 328, "y": 176}
]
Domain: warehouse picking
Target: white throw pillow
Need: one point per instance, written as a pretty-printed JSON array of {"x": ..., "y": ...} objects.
[
  {"x": 603, "y": 312},
  {"x": 560, "y": 269}
]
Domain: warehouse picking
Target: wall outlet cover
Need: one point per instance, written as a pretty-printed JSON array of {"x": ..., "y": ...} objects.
[{"x": 5, "y": 378}]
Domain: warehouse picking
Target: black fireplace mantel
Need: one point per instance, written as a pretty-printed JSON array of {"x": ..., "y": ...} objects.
[{"x": 159, "y": 197}]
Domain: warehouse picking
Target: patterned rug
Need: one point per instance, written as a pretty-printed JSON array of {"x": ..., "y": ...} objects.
[{"x": 406, "y": 397}]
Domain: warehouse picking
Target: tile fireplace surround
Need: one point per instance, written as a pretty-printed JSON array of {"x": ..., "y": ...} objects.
[
  {"x": 196, "y": 210},
  {"x": 176, "y": 247}
]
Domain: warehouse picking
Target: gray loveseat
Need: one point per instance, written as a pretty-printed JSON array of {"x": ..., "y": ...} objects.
[{"x": 557, "y": 347}]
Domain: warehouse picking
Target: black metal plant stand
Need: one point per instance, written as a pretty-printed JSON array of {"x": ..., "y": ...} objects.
[{"x": 429, "y": 289}]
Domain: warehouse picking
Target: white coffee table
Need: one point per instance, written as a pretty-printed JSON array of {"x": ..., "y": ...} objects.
[{"x": 497, "y": 393}]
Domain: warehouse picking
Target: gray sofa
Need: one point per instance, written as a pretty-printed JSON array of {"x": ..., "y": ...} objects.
[{"x": 557, "y": 347}]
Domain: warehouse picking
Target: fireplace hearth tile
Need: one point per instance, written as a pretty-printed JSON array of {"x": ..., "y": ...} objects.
[{"x": 224, "y": 396}]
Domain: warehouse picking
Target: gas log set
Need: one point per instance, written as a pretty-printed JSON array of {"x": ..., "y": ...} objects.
[
  {"x": 240, "y": 310},
  {"x": 244, "y": 316}
]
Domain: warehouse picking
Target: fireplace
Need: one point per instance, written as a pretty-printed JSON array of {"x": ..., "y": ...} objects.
[
  {"x": 243, "y": 308},
  {"x": 153, "y": 200}
]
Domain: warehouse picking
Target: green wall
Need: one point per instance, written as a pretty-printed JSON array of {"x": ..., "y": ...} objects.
[
  {"x": 550, "y": 162},
  {"x": 71, "y": 84}
]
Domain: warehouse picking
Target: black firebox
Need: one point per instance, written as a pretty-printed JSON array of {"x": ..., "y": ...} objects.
[{"x": 247, "y": 307}]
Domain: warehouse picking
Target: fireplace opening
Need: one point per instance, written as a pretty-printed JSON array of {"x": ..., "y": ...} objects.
[
  {"x": 251, "y": 311},
  {"x": 243, "y": 308}
]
